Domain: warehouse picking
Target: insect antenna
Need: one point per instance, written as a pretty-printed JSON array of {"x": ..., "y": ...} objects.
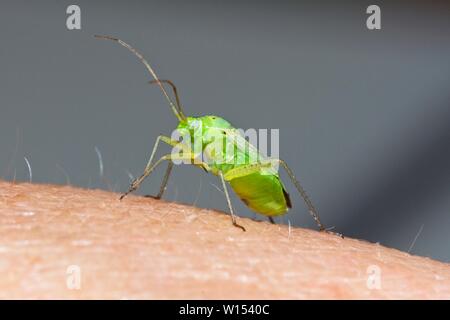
[
  {"x": 178, "y": 113},
  {"x": 175, "y": 92}
]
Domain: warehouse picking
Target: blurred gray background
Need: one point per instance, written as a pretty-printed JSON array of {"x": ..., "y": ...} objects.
[{"x": 364, "y": 116}]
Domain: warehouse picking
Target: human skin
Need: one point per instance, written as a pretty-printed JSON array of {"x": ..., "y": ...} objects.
[{"x": 145, "y": 248}]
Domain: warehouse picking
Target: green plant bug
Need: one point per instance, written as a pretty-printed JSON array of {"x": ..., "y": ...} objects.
[{"x": 257, "y": 183}]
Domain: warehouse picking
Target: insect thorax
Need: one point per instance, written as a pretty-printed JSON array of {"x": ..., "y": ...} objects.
[{"x": 217, "y": 142}]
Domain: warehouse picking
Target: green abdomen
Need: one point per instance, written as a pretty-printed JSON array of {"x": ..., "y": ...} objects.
[{"x": 264, "y": 194}]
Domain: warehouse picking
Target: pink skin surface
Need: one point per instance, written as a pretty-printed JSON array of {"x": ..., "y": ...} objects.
[{"x": 144, "y": 248}]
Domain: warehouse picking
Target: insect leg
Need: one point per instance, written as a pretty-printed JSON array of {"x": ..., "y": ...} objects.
[
  {"x": 163, "y": 183},
  {"x": 230, "y": 207},
  {"x": 135, "y": 184},
  {"x": 271, "y": 220},
  {"x": 312, "y": 210},
  {"x": 148, "y": 171},
  {"x": 246, "y": 170},
  {"x": 165, "y": 180}
]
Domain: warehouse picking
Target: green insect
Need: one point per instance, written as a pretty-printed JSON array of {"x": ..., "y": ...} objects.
[{"x": 256, "y": 182}]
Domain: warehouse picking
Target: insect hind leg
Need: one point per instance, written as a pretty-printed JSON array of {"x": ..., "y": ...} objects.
[{"x": 312, "y": 210}]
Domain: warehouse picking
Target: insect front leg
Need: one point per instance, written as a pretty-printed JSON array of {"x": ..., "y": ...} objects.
[
  {"x": 136, "y": 183},
  {"x": 149, "y": 169},
  {"x": 230, "y": 207},
  {"x": 164, "y": 182}
]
